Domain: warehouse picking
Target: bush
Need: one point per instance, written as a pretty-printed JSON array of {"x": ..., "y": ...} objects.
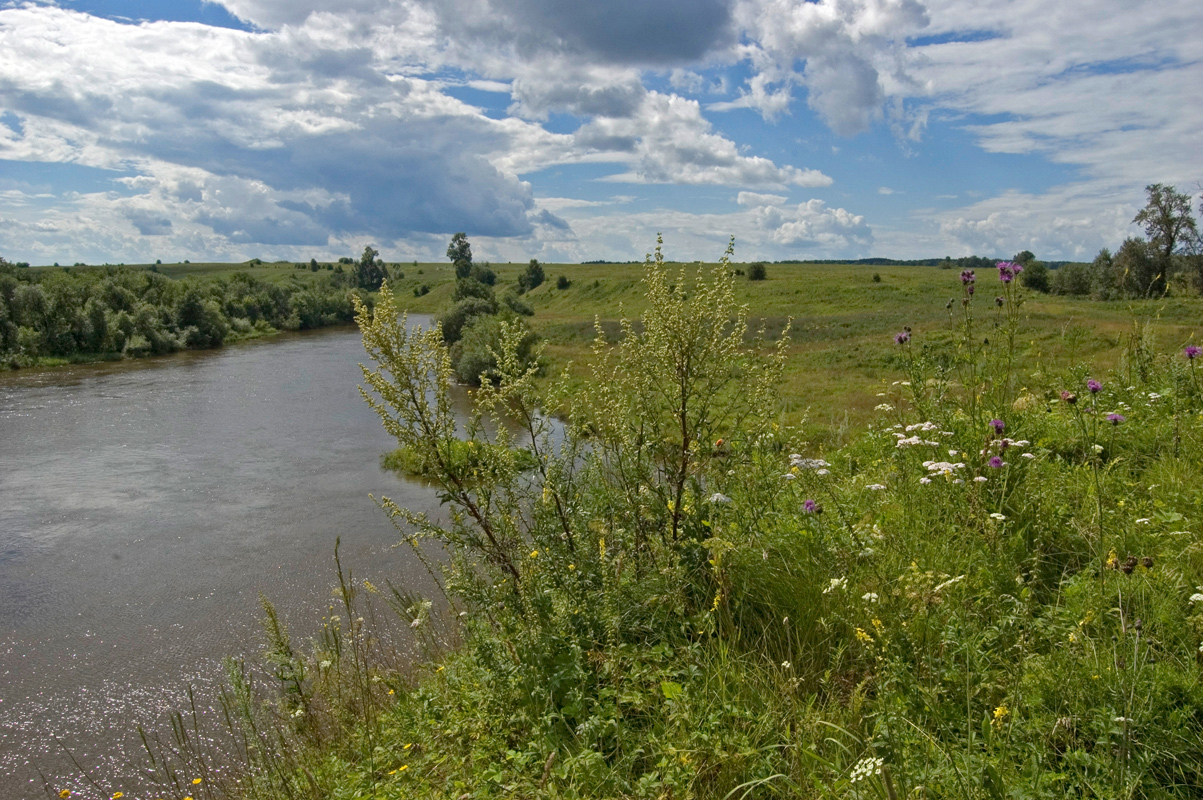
[
  {"x": 1035, "y": 277},
  {"x": 757, "y": 272},
  {"x": 562, "y": 282},
  {"x": 454, "y": 321},
  {"x": 513, "y": 303},
  {"x": 475, "y": 354},
  {"x": 468, "y": 287}
]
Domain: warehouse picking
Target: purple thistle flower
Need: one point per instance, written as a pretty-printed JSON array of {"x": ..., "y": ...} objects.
[
  {"x": 969, "y": 288},
  {"x": 1115, "y": 419},
  {"x": 998, "y": 425},
  {"x": 811, "y": 507},
  {"x": 1068, "y": 397},
  {"x": 902, "y": 337},
  {"x": 967, "y": 276},
  {"x": 998, "y": 301},
  {"x": 1094, "y": 386},
  {"x": 1192, "y": 351},
  {"x": 996, "y": 462},
  {"x": 1005, "y": 273}
]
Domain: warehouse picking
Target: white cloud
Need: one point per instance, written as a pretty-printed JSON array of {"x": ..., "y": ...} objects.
[{"x": 755, "y": 200}]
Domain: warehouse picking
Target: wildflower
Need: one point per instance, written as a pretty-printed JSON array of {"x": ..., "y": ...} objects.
[
  {"x": 811, "y": 507},
  {"x": 967, "y": 276},
  {"x": 883, "y": 407},
  {"x": 997, "y": 462},
  {"x": 1112, "y": 561},
  {"x": 118, "y": 795},
  {"x": 571, "y": 567},
  {"x": 1146, "y": 562},
  {"x": 1068, "y": 397},
  {"x": 807, "y": 463},
  {"x": 875, "y": 487},
  {"x": 785, "y": 665},
  {"x": 998, "y": 301},
  {"x": 1115, "y": 419},
  {"x": 1194, "y": 598},
  {"x": 997, "y": 516},
  {"x": 1098, "y": 448},
  {"x": 980, "y": 479},
  {"x": 836, "y": 584},
  {"x": 719, "y": 497},
  {"x": 925, "y": 480},
  {"x": 863, "y": 636},
  {"x": 902, "y": 337},
  {"x": 865, "y": 768},
  {"x": 789, "y": 476},
  {"x": 998, "y": 425},
  {"x": 65, "y": 793},
  {"x": 1000, "y": 715},
  {"x": 1094, "y": 386},
  {"x": 1192, "y": 351},
  {"x": 870, "y": 597},
  {"x": 1026, "y": 455},
  {"x": 534, "y": 553},
  {"x": 196, "y": 781},
  {"x": 1006, "y": 273},
  {"x": 1143, "y": 521}
]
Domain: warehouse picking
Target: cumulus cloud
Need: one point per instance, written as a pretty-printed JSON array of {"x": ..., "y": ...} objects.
[
  {"x": 852, "y": 51},
  {"x": 669, "y": 141}
]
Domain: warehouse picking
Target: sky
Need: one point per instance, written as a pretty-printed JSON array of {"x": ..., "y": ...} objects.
[{"x": 136, "y": 130}]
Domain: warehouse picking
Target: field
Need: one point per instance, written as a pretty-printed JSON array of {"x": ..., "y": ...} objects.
[{"x": 841, "y": 352}]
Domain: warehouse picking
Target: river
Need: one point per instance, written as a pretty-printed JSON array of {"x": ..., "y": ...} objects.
[{"x": 143, "y": 507}]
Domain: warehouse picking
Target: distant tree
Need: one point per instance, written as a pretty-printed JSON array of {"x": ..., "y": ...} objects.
[
  {"x": 313, "y": 264},
  {"x": 757, "y": 272},
  {"x": 1138, "y": 269},
  {"x": 1035, "y": 274},
  {"x": 460, "y": 253},
  {"x": 369, "y": 270},
  {"x": 483, "y": 273},
  {"x": 466, "y": 287},
  {"x": 562, "y": 282},
  {"x": 531, "y": 277},
  {"x": 1168, "y": 221}
]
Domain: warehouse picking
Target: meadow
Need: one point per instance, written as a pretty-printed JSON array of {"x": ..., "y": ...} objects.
[{"x": 902, "y": 552}]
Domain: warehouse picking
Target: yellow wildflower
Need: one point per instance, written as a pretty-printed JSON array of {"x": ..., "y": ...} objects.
[
  {"x": 411, "y": 744},
  {"x": 572, "y": 566},
  {"x": 1000, "y": 715},
  {"x": 117, "y": 795},
  {"x": 65, "y": 793},
  {"x": 534, "y": 553},
  {"x": 195, "y": 781},
  {"x": 863, "y": 636},
  {"x": 1112, "y": 560}
]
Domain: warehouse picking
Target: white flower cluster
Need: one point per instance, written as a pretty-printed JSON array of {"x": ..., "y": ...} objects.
[
  {"x": 883, "y": 407},
  {"x": 910, "y": 441},
  {"x": 719, "y": 497},
  {"x": 837, "y": 584},
  {"x": 798, "y": 461},
  {"x": 943, "y": 467},
  {"x": 865, "y": 768}
]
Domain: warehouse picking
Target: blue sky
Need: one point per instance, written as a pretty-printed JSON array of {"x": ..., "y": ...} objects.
[{"x": 132, "y": 130}]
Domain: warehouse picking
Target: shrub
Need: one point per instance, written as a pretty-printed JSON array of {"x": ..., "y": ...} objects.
[
  {"x": 454, "y": 321},
  {"x": 757, "y": 272},
  {"x": 531, "y": 277},
  {"x": 562, "y": 282}
]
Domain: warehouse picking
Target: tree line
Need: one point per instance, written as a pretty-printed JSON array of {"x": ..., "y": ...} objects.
[{"x": 119, "y": 312}]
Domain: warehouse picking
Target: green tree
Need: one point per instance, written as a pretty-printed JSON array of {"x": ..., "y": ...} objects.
[
  {"x": 1168, "y": 221},
  {"x": 757, "y": 272},
  {"x": 369, "y": 270},
  {"x": 460, "y": 253},
  {"x": 531, "y": 277}
]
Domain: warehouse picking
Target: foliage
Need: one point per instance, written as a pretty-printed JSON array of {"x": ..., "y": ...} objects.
[
  {"x": 757, "y": 272},
  {"x": 453, "y": 322},
  {"x": 117, "y": 312},
  {"x": 369, "y": 271},
  {"x": 474, "y": 357},
  {"x": 459, "y": 251},
  {"x": 562, "y": 282},
  {"x": 531, "y": 277},
  {"x": 1168, "y": 221}
]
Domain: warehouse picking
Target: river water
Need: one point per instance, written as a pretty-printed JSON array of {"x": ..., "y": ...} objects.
[{"x": 143, "y": 507}]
